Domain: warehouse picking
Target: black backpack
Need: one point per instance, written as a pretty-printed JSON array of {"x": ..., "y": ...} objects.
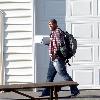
[{"x": 68, "y": 46}]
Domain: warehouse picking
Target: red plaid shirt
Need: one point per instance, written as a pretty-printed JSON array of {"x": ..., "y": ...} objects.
[{"x": 55, "y": 41}]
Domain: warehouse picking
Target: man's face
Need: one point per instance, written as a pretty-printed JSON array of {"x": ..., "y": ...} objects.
[{"x": 52, "y": 26}]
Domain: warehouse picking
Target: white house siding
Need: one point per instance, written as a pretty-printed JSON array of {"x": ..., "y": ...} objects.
[{"x": 17, "y": 40}]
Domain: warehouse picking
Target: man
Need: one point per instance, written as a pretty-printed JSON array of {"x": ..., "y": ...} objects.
[{"x": 57, "y": 61}]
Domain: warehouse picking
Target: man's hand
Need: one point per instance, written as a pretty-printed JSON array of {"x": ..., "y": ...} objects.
[{"x": 53, "y": 57}]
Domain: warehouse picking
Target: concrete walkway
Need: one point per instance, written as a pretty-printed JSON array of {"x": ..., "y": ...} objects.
[{"x": 84, "y": 95}]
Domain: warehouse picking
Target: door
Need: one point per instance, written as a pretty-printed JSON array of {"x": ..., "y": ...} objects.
[
  {"x": 45, "y": 10},
  {"x": 80, "y": 18},
  {"x": 83, "y": 22}
]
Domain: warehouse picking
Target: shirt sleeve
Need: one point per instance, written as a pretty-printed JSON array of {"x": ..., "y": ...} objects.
[{"x": 58, "y": 38}]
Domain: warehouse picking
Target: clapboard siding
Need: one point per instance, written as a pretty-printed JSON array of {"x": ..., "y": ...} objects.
[
  {"x": 18, "y": 64},
  {"x": 17, "y": 40},
  {"x": 15, "y": 1},
  {"x": 17, "y": 13},
  {"x": 11, "y": 57},
  {"x": 26, "y": 20},
  {"x": 7, "y": 6},
  {"x": 17, "y": 50},
  {"x": 19, "y": 72},
  {"x": 19, "y": 27},
  {"x": 20, "y": 42},
  {"x": 18, "y": 35},
  {"x": 18, "y": 79}
]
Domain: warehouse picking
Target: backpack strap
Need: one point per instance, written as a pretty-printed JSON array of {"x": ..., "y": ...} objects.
[
  {"x": 67, "y": 61},
  {"x": 61, "y": 30}
]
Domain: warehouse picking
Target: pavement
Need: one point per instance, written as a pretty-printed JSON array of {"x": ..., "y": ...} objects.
[{"x": 84, "y": 95}]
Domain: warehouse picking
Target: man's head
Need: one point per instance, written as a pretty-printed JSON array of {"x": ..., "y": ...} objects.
[{"x": 52, "y": 24}]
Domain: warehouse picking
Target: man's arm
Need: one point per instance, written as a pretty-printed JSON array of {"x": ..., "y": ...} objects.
[{"x": 58, "y": 39}]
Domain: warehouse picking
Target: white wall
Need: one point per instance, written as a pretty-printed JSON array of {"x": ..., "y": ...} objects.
[{"x": 17, "y": 40}]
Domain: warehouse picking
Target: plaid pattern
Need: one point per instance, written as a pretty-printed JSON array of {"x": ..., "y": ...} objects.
[{"x": 55, "y": 40}]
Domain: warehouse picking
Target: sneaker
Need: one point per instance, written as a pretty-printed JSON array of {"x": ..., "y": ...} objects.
[
  {"x": 76, "y": 94},
  {"x": 42, "y": 95}
]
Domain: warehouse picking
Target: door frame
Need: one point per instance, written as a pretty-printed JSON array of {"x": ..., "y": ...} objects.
[
  {"x": 33, "y": 40},
  {"x": 1, "y": 47}
]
